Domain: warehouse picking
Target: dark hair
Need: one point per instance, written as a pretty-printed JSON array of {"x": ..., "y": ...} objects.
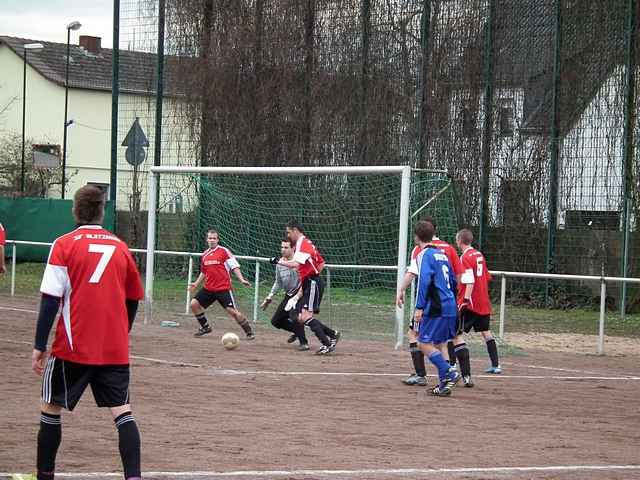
[
  {"x": 430, "y": 219},
  {"x": 293, "y": 223},
  {"x": 424, "y": 230},
  {"x": 287, "y": 240},
  {"x": 213, "y": 231},
  {"x": 88, "y": 204},
  {"x": 465, "y": 236}
]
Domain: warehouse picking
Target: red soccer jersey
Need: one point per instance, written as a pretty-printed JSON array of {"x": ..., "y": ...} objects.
[
  {"x": 451, "y": 254},
  {"x": 309, "y": 258},
  {"x": 477, "y": 273},
  {"x": 215, "y": 265},
  {"x": 413, "y": 266},
  {"x": 3, "y": 236},
  {"x": 93, "y": 272}
]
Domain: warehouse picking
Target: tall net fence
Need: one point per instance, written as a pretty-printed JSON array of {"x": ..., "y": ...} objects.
[{"x": 518, "y": 100}]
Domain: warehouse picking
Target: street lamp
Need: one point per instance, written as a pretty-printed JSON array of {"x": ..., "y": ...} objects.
[
  {"x": 25, "y": 47},
  {"x": 72, "y": 26}
]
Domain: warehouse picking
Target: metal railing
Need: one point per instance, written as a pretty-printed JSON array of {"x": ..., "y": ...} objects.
[{"x": 602, "y": 280}]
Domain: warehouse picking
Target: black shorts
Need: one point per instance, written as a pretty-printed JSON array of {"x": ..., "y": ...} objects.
[
  {"x": 281, "y": 316},
  {"x": 468, "y": 320},
  {"x": 206, "y": 297},
  {"x": 312, "y": 290},
  {"x": 64, "y": 382}
]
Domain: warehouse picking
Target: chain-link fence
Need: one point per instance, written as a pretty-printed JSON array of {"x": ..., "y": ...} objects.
[{"x": 530, "y": 105}]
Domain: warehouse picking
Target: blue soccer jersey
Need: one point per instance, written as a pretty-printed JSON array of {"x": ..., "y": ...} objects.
[{"x": 436, "y": 285}]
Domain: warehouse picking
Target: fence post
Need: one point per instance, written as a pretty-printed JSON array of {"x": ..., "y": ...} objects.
[
  {"x": 421, "y": 94},
  {"x": 256, "y": 292},
  {"x": 503, "y": 304},
  {"x": 329, "y": 295},
  {"x": 189, "y": 276},
  {"x": 629, "y": 144},
  {"x": 554, "y": 147},
  {"x": 13, "y": 270},
  {"x": 603, "y": 308},
  {"x": 487, "y": 128}
]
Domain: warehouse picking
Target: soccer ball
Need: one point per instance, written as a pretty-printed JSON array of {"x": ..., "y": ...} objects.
[{"x": 230, "y": 341}]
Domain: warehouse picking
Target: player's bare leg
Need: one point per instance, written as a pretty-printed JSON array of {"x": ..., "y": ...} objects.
[
  {"x": 448, "y": 376},
  {"x": 128, "y": 441},
  {"x": 49, "y": 437},
  {"x": 492, "y": 349},
  {"x": 241, "y": 318},
  {"x": 198, "y": 312}
]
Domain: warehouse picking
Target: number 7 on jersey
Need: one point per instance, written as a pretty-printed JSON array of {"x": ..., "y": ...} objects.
[{"x": 107, "y": 253}]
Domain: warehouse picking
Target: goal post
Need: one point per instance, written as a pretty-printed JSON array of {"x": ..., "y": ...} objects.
[{"x": 350, "y": 213}]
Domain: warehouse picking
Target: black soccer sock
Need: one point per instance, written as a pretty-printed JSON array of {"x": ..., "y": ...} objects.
[
  {"x": 298, "y": 329},
  {"x": 329, "y": 332},
  {"x": 202, "y": 320},
  {"x": 462, "y": 354},
  {"x": 244, "y": 324},
  {"x": 418, "y": 359},
  {"x": 492, "y": 349},
  {"x": 452, "y": 353},
  {"x": 49, "y": 437},
  {"x": 317, "y": 327},
  {"x": 129, "y": 444}
]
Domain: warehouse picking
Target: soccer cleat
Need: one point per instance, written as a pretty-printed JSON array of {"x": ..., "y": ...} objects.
[
  {"x": 203, "y": 331},
  {"x": 303, "y": 347},
  {"x": 335, "y": 340},
  {"x": 452, "y": 377},
  {"x": 495, "y": 370},
  {"x": 416, "y": 380},
  {"x": 292, "y": 338},
  {"x": 466, "y": 380},
  {"x": 251, "y": 336},
  {"x": 324, "y": 350},
  {"x": 442, "y": 390}
]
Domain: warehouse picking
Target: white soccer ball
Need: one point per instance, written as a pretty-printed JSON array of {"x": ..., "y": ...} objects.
[{"x": 230, "y": 341}]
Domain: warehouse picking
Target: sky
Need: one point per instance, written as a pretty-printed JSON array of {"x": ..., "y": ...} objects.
[{"x": 48, "y": 19}]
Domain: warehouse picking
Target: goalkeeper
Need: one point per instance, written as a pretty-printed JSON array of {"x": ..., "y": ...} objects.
[{"x": 286, "y": 315}]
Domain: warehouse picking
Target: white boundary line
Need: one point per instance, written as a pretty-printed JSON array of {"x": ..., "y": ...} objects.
[
  {"x": 228, "y": 371},
  {"x": 18, "y": 309},
  {"x": 355, "y": 472}
]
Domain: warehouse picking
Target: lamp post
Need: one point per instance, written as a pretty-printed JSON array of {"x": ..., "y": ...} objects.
[
  {"x": 72, "y": 26},
  {"x": 25, "y": 47}
]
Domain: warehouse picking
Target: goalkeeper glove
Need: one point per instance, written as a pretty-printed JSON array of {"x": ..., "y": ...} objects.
[
  {"x": 274, "y": 260},
  {"x": 291, "y": 304}
]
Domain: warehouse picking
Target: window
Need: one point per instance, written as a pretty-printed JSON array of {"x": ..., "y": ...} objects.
[
  {"x": 506, "y": 118},
  {"x": 468, "y": 122}
]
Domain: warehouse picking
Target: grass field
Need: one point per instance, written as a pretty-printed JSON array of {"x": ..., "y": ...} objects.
[{"x": 367, "y": 312}]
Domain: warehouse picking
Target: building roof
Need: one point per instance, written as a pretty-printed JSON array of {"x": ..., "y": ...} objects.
[{"x": 87, "y": 70}]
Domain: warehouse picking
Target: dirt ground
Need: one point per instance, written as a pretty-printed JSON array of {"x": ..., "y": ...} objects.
[{"x": 279, "y": 413}]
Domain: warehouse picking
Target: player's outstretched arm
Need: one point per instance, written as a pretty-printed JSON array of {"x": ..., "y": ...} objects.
[
  {"x": 240, "y": 277},
  {"x": 289, "y": 263},
  {"x": 46, "y": 316}
]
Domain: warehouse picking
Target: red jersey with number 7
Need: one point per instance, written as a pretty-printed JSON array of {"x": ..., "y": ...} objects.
[
  {"x": 476, "y": 273},
  {"x": 94, "y": 273}
]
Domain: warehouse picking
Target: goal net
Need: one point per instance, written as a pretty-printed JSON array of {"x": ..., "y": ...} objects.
[{"x": 355, "y": 218}]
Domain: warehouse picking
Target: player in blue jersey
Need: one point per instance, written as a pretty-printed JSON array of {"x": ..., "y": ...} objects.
[{"x": 436, "y": 308}]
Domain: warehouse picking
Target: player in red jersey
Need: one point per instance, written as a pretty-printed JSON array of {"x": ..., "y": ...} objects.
[
  {"x": 474, "y": 304},
  {"x": 3, "y": 240},
  {"x": 309, "y": 263},
  {"x": 215, "y": 266},
  {"x": 91, "y": 273},
  {"x": 419, "y": 376}
]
